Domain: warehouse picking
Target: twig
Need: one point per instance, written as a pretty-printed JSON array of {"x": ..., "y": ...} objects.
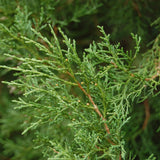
[
  {"x": 157, "y": 68},
  {"x": 147, "y": 79},
  {"x": 115, "y": 65},
  {"x": 153, "y": 77},
  {"x": 120, "y": 156},
  {"x": 135, "y": 6},
  {"x": 147, "y": 112},
  {"x": 95, "y": 107},
  {"x": 55, "y": 151}
]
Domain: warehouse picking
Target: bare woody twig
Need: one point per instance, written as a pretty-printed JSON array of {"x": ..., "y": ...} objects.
[
  {"x": 95, "y": 107},
  {"x": 55, "y": 151},
  {"x": 120, "y": 158},
  {"x": 147, "y": 112},
  {"x": 136, "y": 7}
]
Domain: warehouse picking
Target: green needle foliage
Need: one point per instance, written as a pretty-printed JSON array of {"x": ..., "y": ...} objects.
[{"x": 76, "y": 102}]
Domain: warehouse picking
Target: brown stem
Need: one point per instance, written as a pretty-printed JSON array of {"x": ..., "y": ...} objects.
[
  {"x": 147, "y": 112},
  {"x": 120, "y": 158},
  {"x": 153, "y": 77},
  {"x": 55, "y": 151},
  {"x": 95, "y": 106},
  {"x": 136, "y": 7}
]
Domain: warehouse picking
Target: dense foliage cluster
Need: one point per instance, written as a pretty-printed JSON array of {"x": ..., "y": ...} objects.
[{"x": 80, "y": 79}]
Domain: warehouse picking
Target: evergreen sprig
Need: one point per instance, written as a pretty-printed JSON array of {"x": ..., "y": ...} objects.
[
  {"x": 86, "y": 98},
  {"x": 79, "y": 107}
]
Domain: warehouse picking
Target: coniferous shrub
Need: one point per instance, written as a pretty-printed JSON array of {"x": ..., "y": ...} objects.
[{"x": 74, "y": 91}]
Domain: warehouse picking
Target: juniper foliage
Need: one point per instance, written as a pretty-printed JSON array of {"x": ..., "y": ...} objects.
[{"x": 75, "y": 103}]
